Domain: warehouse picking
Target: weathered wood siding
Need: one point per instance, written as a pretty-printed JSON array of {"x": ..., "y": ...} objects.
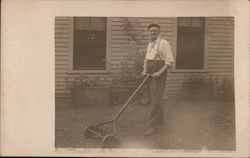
[{"x": 219, "y": 49}]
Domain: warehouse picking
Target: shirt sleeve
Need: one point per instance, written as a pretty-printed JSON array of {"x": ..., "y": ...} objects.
[
  {"x": 147, "y": 50},
  {"x": 166, "y": 53}
]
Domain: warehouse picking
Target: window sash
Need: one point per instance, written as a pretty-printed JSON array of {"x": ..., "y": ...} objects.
[
  {"x": 89, "y": 44},
  {"x": 190, "y": 44}
]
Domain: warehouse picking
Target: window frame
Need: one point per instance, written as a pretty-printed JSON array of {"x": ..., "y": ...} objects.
[
  {"x": 71, "y": 49},
  {"x": 206, "y": 39}
]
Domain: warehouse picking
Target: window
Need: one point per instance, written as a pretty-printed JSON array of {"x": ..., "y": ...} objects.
[
  {"x": 89, "y": 48},
  {"x": 190, "y": 43}
]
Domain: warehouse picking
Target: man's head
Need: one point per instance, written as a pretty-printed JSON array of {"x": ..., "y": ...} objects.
[{"x": 154, "y": 30}]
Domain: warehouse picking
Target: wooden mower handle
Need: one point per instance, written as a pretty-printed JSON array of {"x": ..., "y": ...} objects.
[{"x": 130, "y": 98}]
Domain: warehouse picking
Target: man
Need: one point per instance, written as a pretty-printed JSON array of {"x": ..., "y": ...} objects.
[{"x": 158, "y": 51}]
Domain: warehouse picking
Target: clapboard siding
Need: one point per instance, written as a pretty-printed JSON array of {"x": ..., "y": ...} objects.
[
  {"x": 220, "y": 45},
  {"x": 219, "y": 49},
  {"x": 61, "y": 53}
]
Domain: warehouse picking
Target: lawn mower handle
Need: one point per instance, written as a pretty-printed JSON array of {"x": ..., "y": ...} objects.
[
  {"x": 130, "y": 98},
  {"x": 125, "y": 105}
]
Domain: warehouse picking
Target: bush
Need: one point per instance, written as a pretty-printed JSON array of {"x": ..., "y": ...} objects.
[{"x": 197, "y": 85}]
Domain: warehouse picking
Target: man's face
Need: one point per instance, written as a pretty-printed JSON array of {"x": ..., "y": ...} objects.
[{"x": 154, "y": 32}]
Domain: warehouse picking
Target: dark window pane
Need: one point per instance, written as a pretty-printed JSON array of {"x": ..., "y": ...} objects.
[
  {"x": 89, "y": 44},
  {"x": 190, "y": 44}
]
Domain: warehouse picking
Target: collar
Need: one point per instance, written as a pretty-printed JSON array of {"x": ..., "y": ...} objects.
[{"x": 156, "y": 41}]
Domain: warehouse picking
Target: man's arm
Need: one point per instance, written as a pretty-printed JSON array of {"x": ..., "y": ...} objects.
[
  {"x": 163, "y": 69},
  {"x": 144, "y": 63},
  {"x": 144, "y": 68}
]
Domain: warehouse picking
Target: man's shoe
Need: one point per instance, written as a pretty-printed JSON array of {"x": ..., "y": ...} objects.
[{"x": 149, "y": 131}]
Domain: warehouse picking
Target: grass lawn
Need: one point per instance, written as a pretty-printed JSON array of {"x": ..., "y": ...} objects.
[{"x": 189, "y": 125}]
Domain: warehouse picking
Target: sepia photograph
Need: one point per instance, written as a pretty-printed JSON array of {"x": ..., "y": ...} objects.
[
  {"x": 145, "y": 82},
  {"x": 127, "y": 78}
]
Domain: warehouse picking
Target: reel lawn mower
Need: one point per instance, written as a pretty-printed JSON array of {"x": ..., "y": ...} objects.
[{"x": 110, "y": 140}]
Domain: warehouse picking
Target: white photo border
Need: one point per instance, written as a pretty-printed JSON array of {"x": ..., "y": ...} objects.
[{"x": 28, "y": 59}]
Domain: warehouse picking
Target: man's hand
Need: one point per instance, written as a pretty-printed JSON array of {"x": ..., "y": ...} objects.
[
  {"x": 156, "y": 75},
  {"x": 143, "y": 73}
]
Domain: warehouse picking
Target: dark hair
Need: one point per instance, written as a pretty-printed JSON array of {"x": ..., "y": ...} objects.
[{"x": 154, "y": 25}]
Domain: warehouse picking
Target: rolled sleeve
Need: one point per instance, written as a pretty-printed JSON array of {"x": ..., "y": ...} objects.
[{"x": 167, "y": 53}]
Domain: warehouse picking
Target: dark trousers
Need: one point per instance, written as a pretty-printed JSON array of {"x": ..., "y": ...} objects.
[{"x": 157, "y": 87}]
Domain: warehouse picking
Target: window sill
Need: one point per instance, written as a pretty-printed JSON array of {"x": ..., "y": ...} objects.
[
  {"x": 189, "y": 70},
  {"x": 90, "y": 71}
]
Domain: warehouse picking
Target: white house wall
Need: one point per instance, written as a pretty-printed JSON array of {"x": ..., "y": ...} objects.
[{"x": 219, "y": 49}]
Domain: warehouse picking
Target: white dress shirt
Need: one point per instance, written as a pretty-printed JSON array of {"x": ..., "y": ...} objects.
[{"x": 160, "y": 50}]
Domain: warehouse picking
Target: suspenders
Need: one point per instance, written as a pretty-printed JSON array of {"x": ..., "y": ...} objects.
[
  {"x": 154, "y": 65},
  {"x": 158, "y": 50}
]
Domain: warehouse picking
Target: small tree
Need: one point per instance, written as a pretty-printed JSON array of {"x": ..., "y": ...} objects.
[{"x": 132, "y": 65}]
